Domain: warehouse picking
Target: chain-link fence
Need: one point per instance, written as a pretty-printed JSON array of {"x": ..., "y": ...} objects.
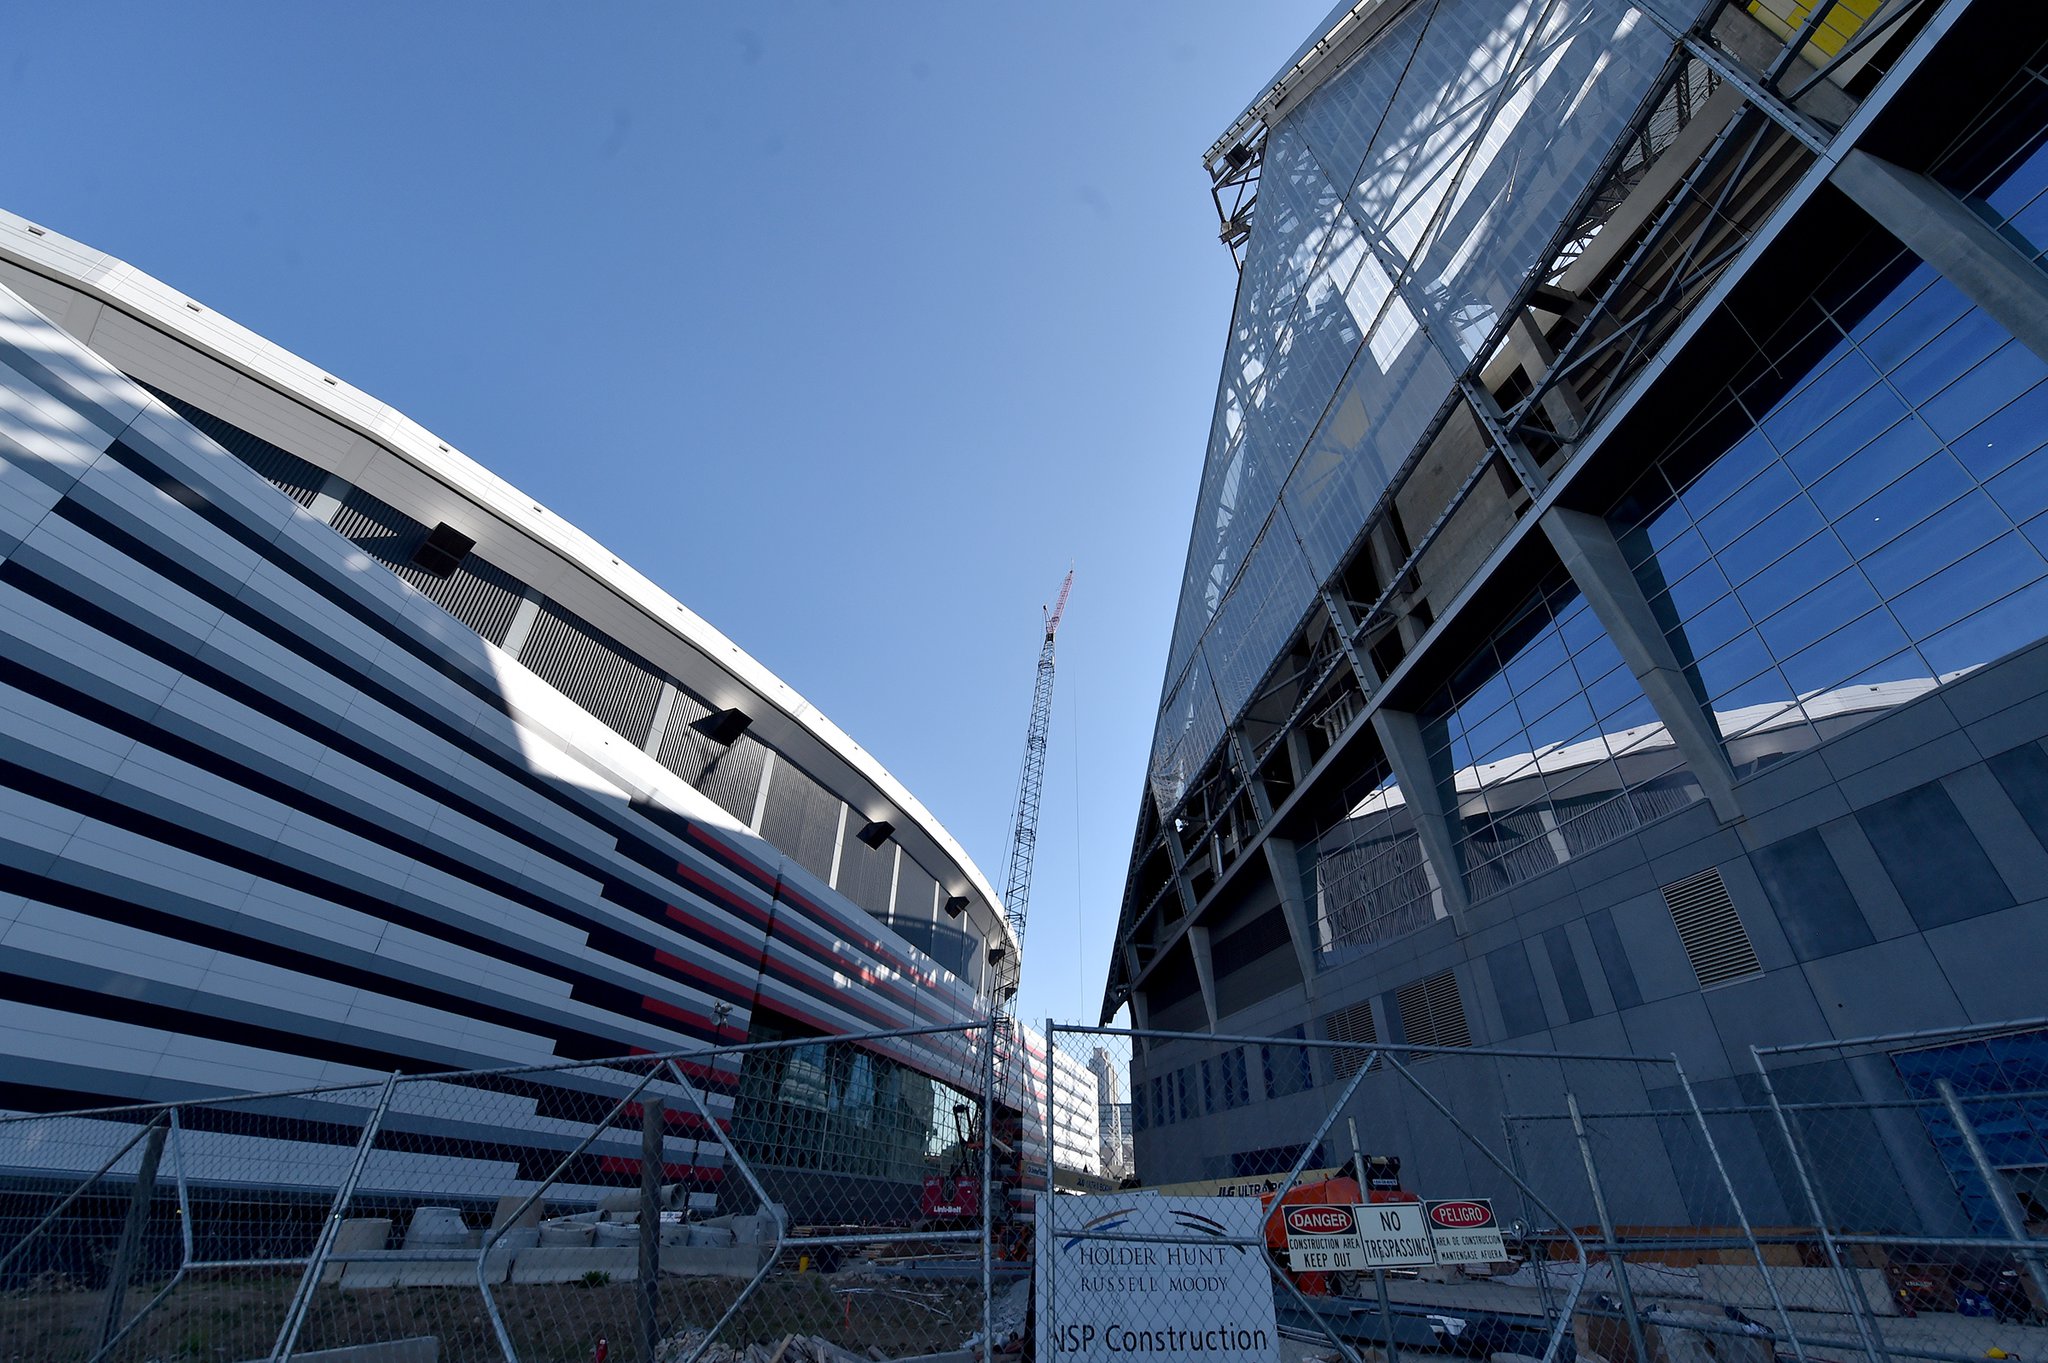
[
  {"x": 795, "y": 1199},
  {"x": 859, "y": 1198},
  {"x": 1861, "y": 1200}
]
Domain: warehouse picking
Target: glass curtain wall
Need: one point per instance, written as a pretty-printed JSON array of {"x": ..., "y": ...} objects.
[
  {"x": 1545, "y": 746},
  {"x": 1399, "y": 206},
  {"x": 1864, "y": 515},
  {"x": 836, "y": 1108}
]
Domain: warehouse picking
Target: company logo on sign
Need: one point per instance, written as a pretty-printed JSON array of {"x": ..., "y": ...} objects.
[
  {"x": 1459, "y": 1215},
  {"x": 1320, "y": 1220},
  {"x": 1182, "y": 1219}
]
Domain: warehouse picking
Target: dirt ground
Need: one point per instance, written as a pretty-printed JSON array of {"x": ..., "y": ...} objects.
[{"x": 227, "y": 1320}]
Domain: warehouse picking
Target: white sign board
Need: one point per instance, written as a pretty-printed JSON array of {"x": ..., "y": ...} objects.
[
  {"x": 1394, "y": 1235},
  {"x": 1465, "y": 1232},
  {"x": 1323, "y": 1238},
  {"x": 1173, "y": 1289}
]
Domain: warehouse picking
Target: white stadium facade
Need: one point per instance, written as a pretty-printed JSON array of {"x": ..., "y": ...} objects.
[{"x": 324, "y": 753}]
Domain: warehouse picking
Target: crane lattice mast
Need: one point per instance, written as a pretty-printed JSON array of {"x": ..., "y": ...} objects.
[{"x": 1009, "y": 964}]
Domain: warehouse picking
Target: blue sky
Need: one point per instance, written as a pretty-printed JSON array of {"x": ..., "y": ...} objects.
[{"x": 852, "y": 325}]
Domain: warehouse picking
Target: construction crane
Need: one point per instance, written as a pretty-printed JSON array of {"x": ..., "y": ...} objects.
[
  {"x": 948, "y": 1200},
  {"x": 1024, "y": 828}
]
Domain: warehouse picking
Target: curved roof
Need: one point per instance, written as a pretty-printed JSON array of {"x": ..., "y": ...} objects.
[{"x": 518, "y": 533}]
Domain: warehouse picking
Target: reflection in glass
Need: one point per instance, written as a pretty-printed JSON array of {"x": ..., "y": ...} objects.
[
  {"x": 1545, "y": 746},
  {"x": 1860, "y": 523}
]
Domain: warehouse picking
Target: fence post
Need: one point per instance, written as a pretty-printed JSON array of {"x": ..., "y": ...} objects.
[
  {"x": 1043, "y": 1217},
  {"x": 132, "y": 1232},
  {"x": 1614, "y": 1261},
  {"x": 2001, "y": 1195},
  {"x": 1542, "y": 1268},
  {"x": 988, "y": 1204},
  {"x": 323, "y": 1244},
  {"x": 651, "y": 1130},
  {"x": 1741, "y": 1214},
  {"x": 1852, "y": 1292},
  {"x": 49, "y": 1217}
]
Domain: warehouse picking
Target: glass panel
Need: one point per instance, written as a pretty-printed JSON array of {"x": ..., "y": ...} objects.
[
  {"x": 1870, "y": 556},
  {"x": 1551, "y": 705}
]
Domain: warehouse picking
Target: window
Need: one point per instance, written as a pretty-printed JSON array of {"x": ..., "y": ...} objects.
[
  {"x": 1544, "y": 744},
  {"x": 1862, "y": 519}
]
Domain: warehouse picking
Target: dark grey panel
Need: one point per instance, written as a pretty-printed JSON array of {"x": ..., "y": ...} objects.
[
  {"x": 729, "y": 774},
  {"x": 914, "y": 886},
  {"x": 593, "y": 670},
  {"x": 1815, "y": 905},
  {"x": 478, "y": 594},
  {"x": 802, "y": 818},
  {"x": 865, "y": 872},
  {"x": 1571, "y": 987},
  {"x": 1933, "y": 858},
  {"x": 1254, "y": 981},
  {"x": 1621, "y": 977},
  {"x": 1514, "y": 987},
  {"x": 2023, "y": 771},
  {"x": 1264, "y": 934}
]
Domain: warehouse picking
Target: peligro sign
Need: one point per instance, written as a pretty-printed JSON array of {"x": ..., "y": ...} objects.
[{"x": 1134, "y": 1279}]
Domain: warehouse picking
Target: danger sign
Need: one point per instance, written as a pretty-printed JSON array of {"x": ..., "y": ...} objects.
[
  {"x": 1465, "y": 1232},
  {"x": 1323, "y": 1239}
]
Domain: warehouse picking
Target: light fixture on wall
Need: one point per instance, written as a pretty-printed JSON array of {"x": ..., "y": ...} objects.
[
  {"x": 723, "y": 727},
  {"x": 443, "y": 550},
  {"x": 876, "y": 832},
  {"x": 956, "y": 905}
]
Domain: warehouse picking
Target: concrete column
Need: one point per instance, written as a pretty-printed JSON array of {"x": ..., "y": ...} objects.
[
  {"x": 838, "y": 846},
  {"x": 658, "y": 730},
  {"x": 1205, "y": 973},
  {"x": 1298, "y": 759},
  {"x": 1401, "y": 739},
  {"x": 761, "y": 795},
  {"x": 522, "y": 623},
  {"x": 1601, "y": 572},
  {"x": 1283, "y": 863},
  {"x": 326, "y": 503},
  {"x": 1939, "y": 228}
]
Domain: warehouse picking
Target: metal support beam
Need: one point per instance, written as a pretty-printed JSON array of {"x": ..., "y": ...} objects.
[
  {"x": 1940, "y": 228},
  {"x": 1766, "y": 101},
  {"x": 1205, "y": 973},
  {"x": 1347, "y": 639},
  {"x": 1493, "y": 422},
  {"x": 1597, "y": 566},
  {"x": 1262, "y": 804},
  {"x": 1401, "y": 739},
  {"x": 1178, "y": 856},
  {"x": 1283, "y": 863}
]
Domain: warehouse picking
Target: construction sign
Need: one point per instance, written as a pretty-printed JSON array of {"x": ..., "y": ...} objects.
[{"x": 1465, "y": 1232}]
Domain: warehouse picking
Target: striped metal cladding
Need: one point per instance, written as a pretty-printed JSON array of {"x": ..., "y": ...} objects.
[
  {"x": 1715, "y": 941},
  {"x": 477, "y": 593},
  {"x": 284, "y": 470},
  {"x": 729, "y": 773},
  {"x": 593, "y": 670}
]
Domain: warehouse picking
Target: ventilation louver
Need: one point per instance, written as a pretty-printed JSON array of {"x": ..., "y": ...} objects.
[
  {"x": 1353, "y": 1024},
  {"x": 1708, "y": 925},
  {"x": 1432, "y": 1013}
]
